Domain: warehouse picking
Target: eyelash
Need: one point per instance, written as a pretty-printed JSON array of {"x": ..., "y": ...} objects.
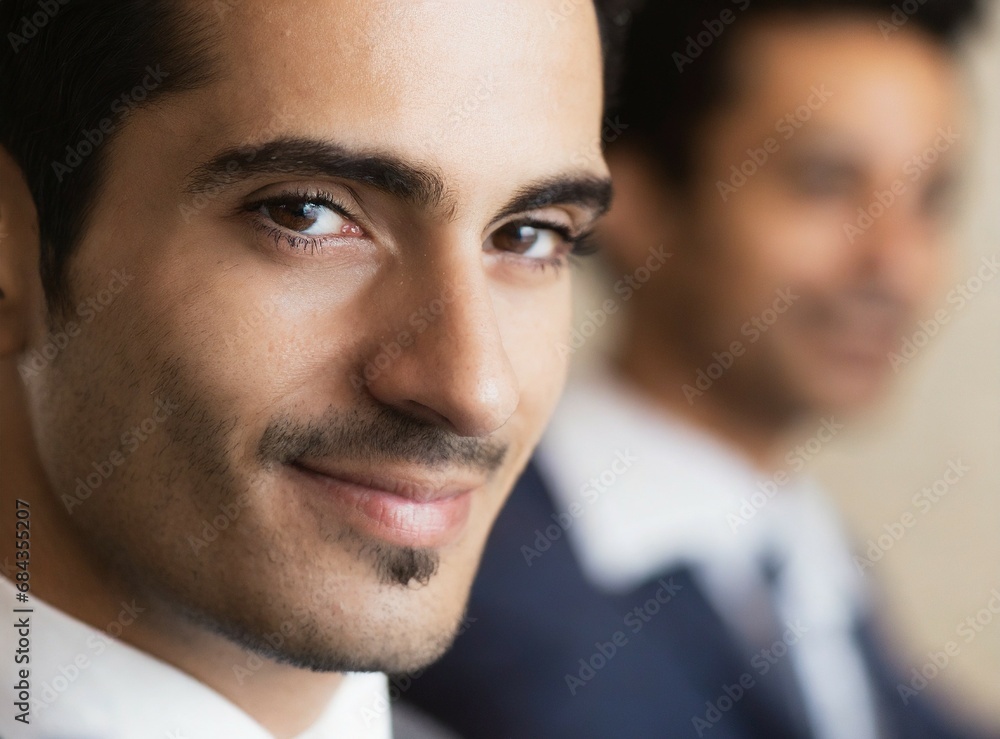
[
  {"x": 292, "y": 241},
  {"x": 581, "y": 245}
]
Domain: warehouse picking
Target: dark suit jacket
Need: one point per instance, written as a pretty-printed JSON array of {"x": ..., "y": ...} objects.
[
  {"x": 547, "y": 656},
  {"x": 410, "y": 723}
]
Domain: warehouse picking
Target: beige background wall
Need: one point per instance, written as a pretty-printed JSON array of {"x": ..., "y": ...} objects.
[{"x": 947, "y": 408}]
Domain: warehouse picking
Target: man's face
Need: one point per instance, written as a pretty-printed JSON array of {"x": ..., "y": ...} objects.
[
  {"x": 812, "y": 236},
  {"x": 341, "y": 280}
]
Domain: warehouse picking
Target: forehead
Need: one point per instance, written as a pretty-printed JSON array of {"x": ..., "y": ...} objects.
[
  {"x": 466, "y": 86},
  {"x": 900, "y": 87}
]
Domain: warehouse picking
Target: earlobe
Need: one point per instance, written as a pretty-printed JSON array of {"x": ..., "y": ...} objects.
[{"x": 19, "y": 256}]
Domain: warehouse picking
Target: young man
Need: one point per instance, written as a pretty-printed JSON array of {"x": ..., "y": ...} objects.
[
  {"x": 663, "y": 570},
  {"x": 281, "y": 285}
]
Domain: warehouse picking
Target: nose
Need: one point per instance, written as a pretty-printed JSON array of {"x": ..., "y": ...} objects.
[
  {"x": 903, "y": 251},
  {"x": 454, "y": 370}
]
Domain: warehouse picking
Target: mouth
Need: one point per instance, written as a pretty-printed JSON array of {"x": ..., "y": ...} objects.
[
  {"x": 865, "y": 343},
  {"x": 399, "y": 507},
  {"x": 865, "y": 334}
]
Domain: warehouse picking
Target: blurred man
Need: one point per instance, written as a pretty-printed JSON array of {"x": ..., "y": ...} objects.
[
  {"x": 662, "y": 570},
  {"x": 303, "y": 273}
]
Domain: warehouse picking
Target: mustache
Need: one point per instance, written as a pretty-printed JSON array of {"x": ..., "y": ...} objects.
[
  {"x": 382, "y": 435},
  {"x": 873, "y": 299}
]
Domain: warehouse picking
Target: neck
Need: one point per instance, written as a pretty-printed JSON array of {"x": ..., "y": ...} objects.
[
  {"x": 661, "y": 375},
  {"x": 63, "y": 572}
]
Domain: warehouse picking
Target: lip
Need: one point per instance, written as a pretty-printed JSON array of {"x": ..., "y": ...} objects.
[
  {"x": 863, "y": 335},
  {"x": 866, "y": 345},
  {"x": 403, "y": 509}
]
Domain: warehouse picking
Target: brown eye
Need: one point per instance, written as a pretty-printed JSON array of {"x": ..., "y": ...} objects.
[
  {"x": 823, "y": 179},
  {"x": 309, "y": 218},
  {"x": 294, "y": 217},
  {"x": 530, "y": 241}
]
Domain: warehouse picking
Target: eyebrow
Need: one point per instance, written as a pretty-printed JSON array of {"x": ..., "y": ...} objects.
[
  {"x": 305, "y": 157},
  {"x": 416, "y": 185},
  {"x": 587, "y": 191}
]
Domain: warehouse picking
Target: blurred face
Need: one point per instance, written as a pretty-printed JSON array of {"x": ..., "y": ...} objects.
[
  {"x": 812, "y": 236},
  {"x": 324, "y": 297}
]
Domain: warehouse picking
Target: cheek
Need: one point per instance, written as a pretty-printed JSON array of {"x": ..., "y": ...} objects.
[
  {"x": 776, "y": 248},
  {"x": 256, "y": 332},
  {"x": 535, "y": 332},
  {"x": 924, "y": 275}
]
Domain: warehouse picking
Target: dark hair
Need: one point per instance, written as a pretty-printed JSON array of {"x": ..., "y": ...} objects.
[
  {"x": 70, "y": 73},
  {"x": 670, "y": 70}
]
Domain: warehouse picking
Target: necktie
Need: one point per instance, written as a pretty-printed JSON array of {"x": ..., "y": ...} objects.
[
  {"x": 772, "y": 642},
  {"x": 825, "y": 664}
]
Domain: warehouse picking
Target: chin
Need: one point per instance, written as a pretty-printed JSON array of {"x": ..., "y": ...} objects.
[
  {"x": 843, "y": 400},
  {"x": 394, "y": 630},
  {"x": 393, "y": 660}
]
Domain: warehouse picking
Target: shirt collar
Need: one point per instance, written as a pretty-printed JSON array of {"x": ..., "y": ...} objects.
[
  {"x": 87, "y": 685},
  {"x": 645, "y": 492},
  {"x": 652, "y": 492}
]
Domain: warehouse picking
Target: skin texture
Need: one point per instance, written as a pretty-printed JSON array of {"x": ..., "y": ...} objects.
[
  {"x": 854, "y": 295},
  {"x": 253, "y": 349}
]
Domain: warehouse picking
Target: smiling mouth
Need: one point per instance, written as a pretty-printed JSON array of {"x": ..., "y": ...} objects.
[
  {"x": 869, "y": 342},
  {"x": 400, "y": 508}
]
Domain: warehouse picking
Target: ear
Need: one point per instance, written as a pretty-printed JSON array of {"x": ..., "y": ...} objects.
[
  {"x": 21, "y": 301},
  {"x": 645, "y": 211}
]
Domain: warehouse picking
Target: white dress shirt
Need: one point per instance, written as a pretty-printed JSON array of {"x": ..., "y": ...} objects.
[
  {"x": 652, "y": 493},
  {"x": 87, "y": 685}
]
